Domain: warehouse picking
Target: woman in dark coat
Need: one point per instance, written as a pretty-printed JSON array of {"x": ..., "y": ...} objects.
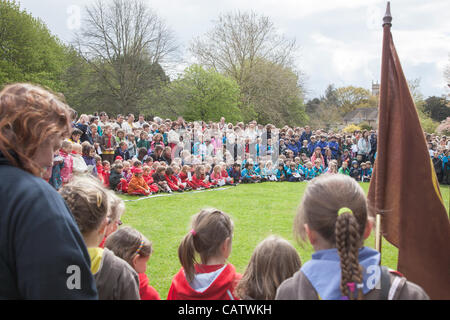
[{"x": 42, "y": 253}]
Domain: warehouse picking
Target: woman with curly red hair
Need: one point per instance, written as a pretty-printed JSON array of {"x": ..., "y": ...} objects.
[{"x": 42, "y": 252}]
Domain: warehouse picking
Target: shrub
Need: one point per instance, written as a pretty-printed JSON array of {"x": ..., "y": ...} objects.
[{"x": 351, "y": 128}]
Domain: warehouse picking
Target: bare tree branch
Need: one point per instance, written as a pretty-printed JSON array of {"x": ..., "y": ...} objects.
[{"x": 123, "y": 40}]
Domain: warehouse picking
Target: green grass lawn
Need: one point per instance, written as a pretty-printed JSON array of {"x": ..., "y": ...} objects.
[{"x": 258, "y": 210}]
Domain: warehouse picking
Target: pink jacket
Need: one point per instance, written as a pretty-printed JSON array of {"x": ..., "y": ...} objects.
[{"x": 67, "y": 170}]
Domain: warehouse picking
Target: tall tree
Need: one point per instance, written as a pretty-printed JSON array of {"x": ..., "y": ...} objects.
[
  {"x": 28, "y": 51},
  {"x": 350, "y": 98},
  {"x": 201, "y": 94},
  {"x": 124, "y": 42},
  {"x": 437, "y": 108},
  {"x": 248, "y": 48},
  {"x": 275, "y": 93}
]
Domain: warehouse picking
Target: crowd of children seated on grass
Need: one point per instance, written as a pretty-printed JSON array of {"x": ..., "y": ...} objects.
[
  {"x": 143, "y": 158},
  {"x": 144, "y": 161}
]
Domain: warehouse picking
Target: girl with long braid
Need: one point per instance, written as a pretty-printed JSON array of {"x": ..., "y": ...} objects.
[{"x": 334, "y": 217}]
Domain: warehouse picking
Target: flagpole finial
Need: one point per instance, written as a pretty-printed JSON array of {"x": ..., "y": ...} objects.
[{"x": 387, "y": 16}]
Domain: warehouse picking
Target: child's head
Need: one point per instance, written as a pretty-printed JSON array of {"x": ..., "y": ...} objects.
[
  {"x": 344, "y": 164},
  {"x": 123, "y": 145},
  {"x": 169, "y": 171},
  {"x": 118, "y": 167},
  {"x": 340, "y": 222},
  {"x": 89, "y": 203},
  {"x": 132, "y": 246},
  {"x": 137, "y": 164},
  {"x": 106, "y": 164},
  {"x": 98, "y": 160},
  {"x": 199, "y": 170},
  {"x": 76, "y": 134},
  {"x": 160, "y": 169},
  {"x": 363, "y": 165},
  {"x": 66, "y": 146},
  {"x": 355, "y": 164},
  {"x": 273, "y": 261},
  {"x": 217, "y": 169},
  {"x": 309, "y": 165},
  {"x": 210, "y": 236},
  {"x": 116, "y": 209},
  {"x": 317, "y": 163},
  {"x": 126, "y": 165},
  {"x": 146, "y": 170},
  {"x": 87, "y": 149},
  {"x": 76, "y": 148},
  {"x": 368, "y": 164},
  {"x": 142, "y": 152},
  {"x": 318, "y": 151}
]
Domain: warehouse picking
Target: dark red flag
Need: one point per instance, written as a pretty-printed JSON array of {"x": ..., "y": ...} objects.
[{"x": 404, "y": 187}]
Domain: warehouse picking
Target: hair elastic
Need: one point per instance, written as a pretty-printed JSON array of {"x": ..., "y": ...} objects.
[
  {"x": 193, "y": 232},
  {"x": 140, "y": 247},
  {"x": 99, "y": 200},
  {"x": 351, "y": 286},
  {"x": 344, "y": 209}
]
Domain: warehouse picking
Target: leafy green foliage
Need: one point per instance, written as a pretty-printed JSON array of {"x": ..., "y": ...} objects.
[
  {"x": 350, "y": 98},
  {"x": 28, "y": 51},
  {"x": 274, "y": 93},
  {"x": 437, "y": 108},
  {"x": 200, "y": 94}
]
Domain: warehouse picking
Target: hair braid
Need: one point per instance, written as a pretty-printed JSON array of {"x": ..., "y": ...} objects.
[{"x": 347, "y": 244}]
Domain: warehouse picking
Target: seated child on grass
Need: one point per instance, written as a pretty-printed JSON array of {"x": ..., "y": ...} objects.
[{"x": 137, "y": 185}]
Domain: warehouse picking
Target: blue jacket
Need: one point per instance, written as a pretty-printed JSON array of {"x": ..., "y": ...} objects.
[
  {"x": 323, "y": 271},
  {"x": 306, "y": 136},
  {"x": 312, "y": 147},
  {"x": 319, "y": 171},
  {"x": 293, "y": 147},
  {"x": 310, "y": 173},
  {"x": 334, "y": 147},
  {"x": 246, "y": 173},
  {"x": 322, "y": 145},
  {"x": 278, "y": 173},
  {"x": 41, "y": 247}
]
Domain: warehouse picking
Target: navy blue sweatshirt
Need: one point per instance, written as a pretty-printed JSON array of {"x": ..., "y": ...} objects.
[{"x": 42, "y": 252}]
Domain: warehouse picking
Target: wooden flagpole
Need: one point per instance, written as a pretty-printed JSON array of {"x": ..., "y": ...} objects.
[{"x": 387, "y": 19}]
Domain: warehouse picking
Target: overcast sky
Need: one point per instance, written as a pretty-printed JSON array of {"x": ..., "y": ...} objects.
[{"x": 340, "y": 40}]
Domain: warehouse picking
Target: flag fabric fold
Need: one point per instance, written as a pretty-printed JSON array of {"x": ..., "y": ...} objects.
[{"x": 404, "y": 187}]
